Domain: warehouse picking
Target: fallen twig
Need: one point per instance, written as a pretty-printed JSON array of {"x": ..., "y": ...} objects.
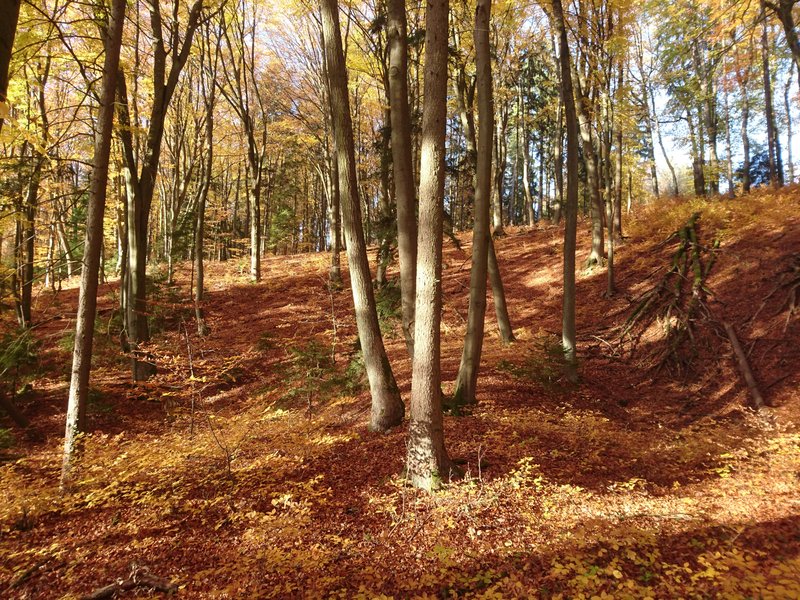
[
  {"x": 140, "y": 577},
  {"x": 744, "y": 367}
]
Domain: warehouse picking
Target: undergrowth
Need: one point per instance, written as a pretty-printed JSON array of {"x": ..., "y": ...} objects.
[{"x": 543, "y": 363}]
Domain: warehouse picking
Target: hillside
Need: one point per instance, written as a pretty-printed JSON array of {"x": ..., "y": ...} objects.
[{"x": 245, "y": 469}]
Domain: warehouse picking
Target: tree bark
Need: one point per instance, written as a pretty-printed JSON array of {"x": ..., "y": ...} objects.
[
  {"x": 466, "y": 383},
  {"x": 387, "y": 407},
  {"x": 87, "y": 298},
  {"x": 8, "y": 30},
  {"x": 590, "y": 160},
  {"x": 568, "y": 334},
  {"x": 402, "y": 165},
  {"x": 775, "y": 171},
  {"x": 427, "y": 462},
  {"x": 745, "y": 144}
]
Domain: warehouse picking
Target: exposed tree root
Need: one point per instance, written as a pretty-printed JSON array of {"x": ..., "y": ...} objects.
[{"x": 677, "y": 302}]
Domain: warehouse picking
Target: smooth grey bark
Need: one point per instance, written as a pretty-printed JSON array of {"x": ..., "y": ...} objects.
[
  {"x": 427, "y": 461},
  {"x": 568, "y": 333},
  {"x": 387, "y": 407},
  {"x": 334, "y": 195},
  {"x": 467, "y": 381},
  {"x": 590, "y": 160},
  {"x": 499, "y": 170},
  {"x": 87, "y": 296},
  {"x": 402, "y": 165}
]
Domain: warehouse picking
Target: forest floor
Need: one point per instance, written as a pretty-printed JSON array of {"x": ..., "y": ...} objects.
[{"x": 255, "y": 475}]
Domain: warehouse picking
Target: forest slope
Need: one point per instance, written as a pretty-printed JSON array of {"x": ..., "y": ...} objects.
[{"x": 247, "y": 469}]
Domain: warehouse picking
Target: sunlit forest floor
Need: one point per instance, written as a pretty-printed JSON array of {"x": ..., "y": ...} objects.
[{"x": 248, "y": 470}]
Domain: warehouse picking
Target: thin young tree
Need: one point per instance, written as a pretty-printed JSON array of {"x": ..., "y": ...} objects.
[
  {"x": 427, "y": 461},
  {"x": 568, "y": 334},
  {"x": 387, "y": 407},
  {"x": 87, "y": 295},
  {"x": 466, "y": 384}
]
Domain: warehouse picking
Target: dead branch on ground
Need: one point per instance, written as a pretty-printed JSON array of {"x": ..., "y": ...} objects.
[{"x": 677, "y": 301}]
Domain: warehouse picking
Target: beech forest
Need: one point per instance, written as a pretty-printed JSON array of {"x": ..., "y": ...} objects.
[{"x": 382, "y": 299}]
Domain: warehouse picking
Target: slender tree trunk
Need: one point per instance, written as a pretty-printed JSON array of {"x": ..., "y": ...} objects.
[
  {"x": 427, "y": 462},
  {"x": 387, "y": 407},
  {"x": 592, "y": 175},
  {"x": 788, "y": 107},
  {"x": 775, "y": 176},
  {"x": 745, "y": 144},
  {"x": 698, "y": 164},
  {"x": 87, "y": 298},
  {"x": 29, "y": 240},
  {"x": 499, "y": 296},
  {"x": 728, "y": 147},
  {"x": 526, "y": 184},
  {"x": 657, "y": 122},
  {"x": 501, "y": 151},
  {"x": 386, "y": 223},
  {"x": 466, "y": 383},
  {"x": 402, "y": 165},
  {"x": 568, "y": 334}
]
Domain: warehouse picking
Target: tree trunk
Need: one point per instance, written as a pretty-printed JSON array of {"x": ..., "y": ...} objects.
[
  {"x": 427, "y": 463},
  {"x": 657, "y": 122},
  {"x": 29, "y": 240},
  {"x": 501, "y": 152},
  {"x": 592, "y": 176},
  {"x": 745, "y": 144},
  {"x": 788, "y": 107},
  {"x": 87, "y": 298},
  {"x": 728, "y": 147},
  {"x": 402, "y": 165},
  {"x": 466, "y": 383},
  {"x": 8, "y": 30},
  {"x": 775, "y": 175},
  {"x": 568, "y": 334},
  {"x": 499, "y": 296},
  {"x": 387, "y": 407}
]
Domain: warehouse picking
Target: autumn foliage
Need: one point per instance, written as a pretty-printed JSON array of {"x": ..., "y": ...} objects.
[{"x": 245, "y": 468}]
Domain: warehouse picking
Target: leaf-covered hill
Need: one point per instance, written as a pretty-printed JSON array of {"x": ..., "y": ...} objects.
[{"x": 245, "y": 469}]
